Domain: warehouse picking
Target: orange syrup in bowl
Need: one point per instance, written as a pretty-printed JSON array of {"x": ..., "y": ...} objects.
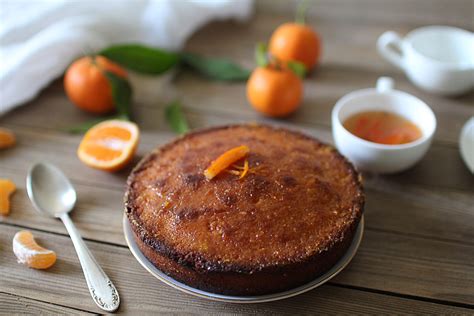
[{"x": 382, "y": 127}]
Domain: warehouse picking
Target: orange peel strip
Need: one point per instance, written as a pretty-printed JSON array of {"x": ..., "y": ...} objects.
[
  {"x": 7, "y": 187},
  {"x": 245, "y": 170},
  {"x": 225, "y": 160}
]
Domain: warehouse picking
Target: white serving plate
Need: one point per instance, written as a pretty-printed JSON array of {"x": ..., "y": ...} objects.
[{"x": 338, "y": 267}]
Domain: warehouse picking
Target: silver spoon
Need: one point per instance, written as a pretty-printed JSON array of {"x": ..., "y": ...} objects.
[{"x": 53, "y": 194}]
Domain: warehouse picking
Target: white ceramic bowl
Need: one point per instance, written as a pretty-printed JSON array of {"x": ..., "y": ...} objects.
[{"x": 375, "y": 157}]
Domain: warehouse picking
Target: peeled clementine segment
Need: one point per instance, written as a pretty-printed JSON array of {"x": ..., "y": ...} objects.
[
  {"x": 225, "y": 160},
  {"x": 7, "y": 187},
  {"x": 109, "y": 145},
  {"x": 7, "y": 138},
  {"x": 28, "y": 252}
]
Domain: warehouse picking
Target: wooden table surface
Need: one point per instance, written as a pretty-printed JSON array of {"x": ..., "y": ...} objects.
[{"x": 417, "y": 255}]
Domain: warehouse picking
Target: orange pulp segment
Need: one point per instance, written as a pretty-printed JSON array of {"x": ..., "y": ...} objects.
[
  {"x": 225, "y": 160},
  {"x": 28, "y": 252},
  {"x": 7, "y": 138},
  {"x": 7, "y": 187},
  {"x": 109, "y": 145}
]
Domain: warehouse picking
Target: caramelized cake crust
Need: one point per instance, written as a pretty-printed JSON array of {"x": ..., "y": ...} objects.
[{"x": 286, "y": 222}]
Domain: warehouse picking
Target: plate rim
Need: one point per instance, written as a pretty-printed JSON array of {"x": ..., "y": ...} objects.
[{"x": 320, "y": 280}]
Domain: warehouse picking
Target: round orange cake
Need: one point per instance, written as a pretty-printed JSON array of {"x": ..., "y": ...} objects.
[{"x": 287, "y": 221}]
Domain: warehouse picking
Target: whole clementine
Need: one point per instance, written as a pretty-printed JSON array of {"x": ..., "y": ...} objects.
[
  {"x": 87, "y": 86},
  {"x": 296, "y": 42},
  {"x": 274, "y": 92}
]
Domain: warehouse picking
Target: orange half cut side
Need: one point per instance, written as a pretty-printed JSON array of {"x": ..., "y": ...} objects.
[{"x": 109, "y": 145}]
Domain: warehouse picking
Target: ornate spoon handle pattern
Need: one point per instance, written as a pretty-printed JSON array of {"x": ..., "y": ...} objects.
[{"x": 102, "y": 290}]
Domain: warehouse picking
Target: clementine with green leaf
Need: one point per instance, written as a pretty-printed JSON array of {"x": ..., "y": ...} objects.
[
  {"x": 297, "y": 41},
  {"x": 274, "y": 92},
  {"x": 274, "y": 89},
  {"x": 87, "y": 85}
]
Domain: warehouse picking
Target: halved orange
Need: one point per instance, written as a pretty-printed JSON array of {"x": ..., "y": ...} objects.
[
  {"x": 28, "y": 252},
  {"x": 109, "y": 145}
]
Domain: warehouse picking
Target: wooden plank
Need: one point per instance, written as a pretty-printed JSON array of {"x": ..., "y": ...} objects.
[
  {"x": 401, "y": 12},
  {"x": 140, "y": 293},
  {"x": 398, "y": 224},
  {"x": 98, "y": 212},
  {"x": 17, "y": 305},
  {"x": 413, "y": 266}
]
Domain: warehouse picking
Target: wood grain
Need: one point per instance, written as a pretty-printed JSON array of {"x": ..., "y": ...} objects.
[
  {"x": 141, "y": 293},
  {"x": 17, "y": 305},
  {"x": 395, "y": 239},
  {"x": 400, "y": 12}
]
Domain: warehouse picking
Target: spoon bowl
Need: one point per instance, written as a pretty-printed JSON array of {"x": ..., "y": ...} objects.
[{"x": 50, "y": 190}]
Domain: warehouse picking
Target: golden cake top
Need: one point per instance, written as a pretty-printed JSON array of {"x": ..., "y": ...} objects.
[{"x": 297, "y": 197}]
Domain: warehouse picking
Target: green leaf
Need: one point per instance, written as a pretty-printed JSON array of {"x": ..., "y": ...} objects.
[
  {"x": 141, "y": 58},
  {"x": 215, "y": 68},
  {"x": 175, "y": 117},
  {"x": 261, "y": 55},
  {"x": 121, "y": 94},
  {"x": 298, "y": 68}
]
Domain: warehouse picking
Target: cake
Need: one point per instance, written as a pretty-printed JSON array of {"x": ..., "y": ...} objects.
[{"x": 287, "y": 221}]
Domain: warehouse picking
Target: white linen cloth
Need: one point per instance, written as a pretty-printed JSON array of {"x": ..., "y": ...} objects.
[{"x": 40, "y": 38}]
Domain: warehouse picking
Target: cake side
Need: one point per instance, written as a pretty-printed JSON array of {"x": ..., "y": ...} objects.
[{"x": 265, "y": 281}]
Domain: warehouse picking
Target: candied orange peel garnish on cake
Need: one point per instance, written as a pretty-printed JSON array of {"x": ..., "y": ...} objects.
[
  {"x": 225, "y": 160},
  {"x": 28, "y": 252},
  {"x": 7, "y": 188}
]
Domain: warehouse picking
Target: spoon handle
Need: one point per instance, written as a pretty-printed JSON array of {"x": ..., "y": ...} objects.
[{"x": 101, "y": 288}]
